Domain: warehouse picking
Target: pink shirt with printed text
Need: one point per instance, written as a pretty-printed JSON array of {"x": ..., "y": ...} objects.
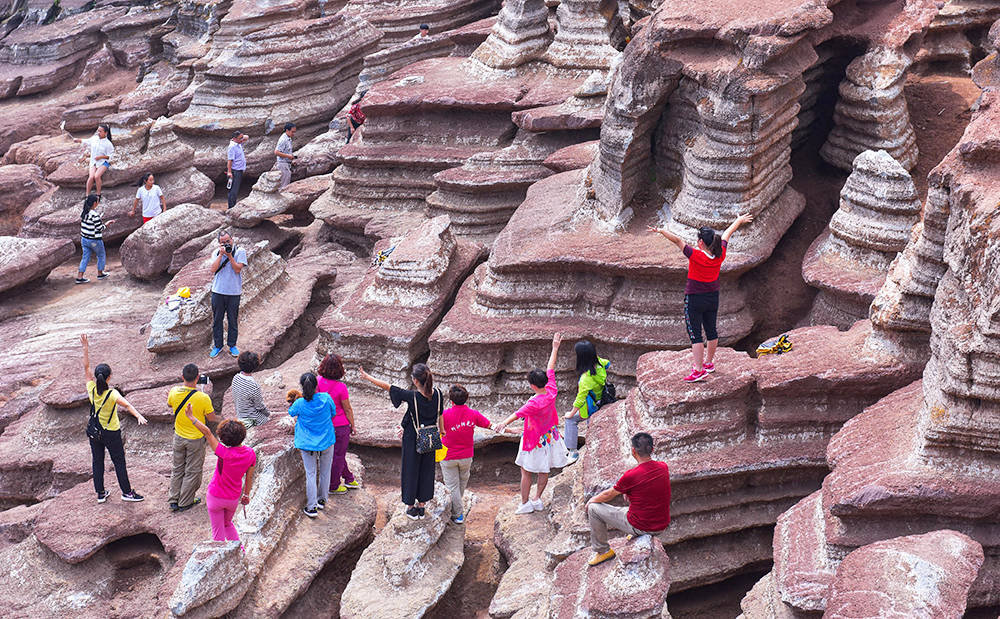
[
  {"x": 460, "y": 423},
  {"x": 539, "y": 414}
]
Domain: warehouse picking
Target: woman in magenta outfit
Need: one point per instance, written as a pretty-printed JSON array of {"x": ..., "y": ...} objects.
[
  {"x": 331, "y": 370},
  {"x": 233, "y": 478}
]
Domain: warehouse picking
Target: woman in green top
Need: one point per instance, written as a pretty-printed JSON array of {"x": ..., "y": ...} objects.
[
  {"x": 106, "y": 402},
  {"x": 593, "y": 373}
]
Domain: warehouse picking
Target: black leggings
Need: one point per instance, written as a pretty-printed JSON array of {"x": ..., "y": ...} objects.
[
  {"x": 112, "y": 440},
  {"x": 701, "y": 309},
  {"x": 417, "y": 472}
]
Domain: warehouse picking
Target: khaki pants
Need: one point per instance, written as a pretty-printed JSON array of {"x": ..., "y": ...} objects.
[
  {"x": 189, "y": 458},
  {"x": 456, "y": 477},
  {"x": 603, "y": 517}
]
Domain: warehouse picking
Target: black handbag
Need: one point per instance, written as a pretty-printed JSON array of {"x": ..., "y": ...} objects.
[
  {"x": 428, "y": 437},
  {"x": 94, "y": 428}
]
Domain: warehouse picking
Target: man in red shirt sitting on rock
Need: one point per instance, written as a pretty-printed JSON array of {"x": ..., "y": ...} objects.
[{"x": 647, "y": 488}]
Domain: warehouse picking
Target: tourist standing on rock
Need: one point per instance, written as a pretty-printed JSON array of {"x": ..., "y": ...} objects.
[
  {"x": 101, "y": 151},
  {"x": 92, "y": 238},
  {"x": 593, "y": 375},
  {"x": 460, "y": 424},
  {"x": 283, "y": 153},
  {"x": 331, "y": 370},
  {"x": 227, "y": 287},
  {"x": 355, "y": 117},
  {"x": 104, "y": 404},
  {"x": 236, "y": 164},
  {"x": 151, "y": 197},
  {"x": 701, "y": 294},
  {"x": 423, "y": 408},
  {"x": 235, "y": 462},
  {"x": 540, "y": 450},
  {"x": 314, "y": 438},
  {"x": 647, "y": 487},
  {"x": 247, "y": 397},
  {"x": 189, "y": 443}
]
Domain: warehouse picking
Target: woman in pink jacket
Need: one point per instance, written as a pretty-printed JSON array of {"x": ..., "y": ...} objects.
[{"x": 541, "y": 446}]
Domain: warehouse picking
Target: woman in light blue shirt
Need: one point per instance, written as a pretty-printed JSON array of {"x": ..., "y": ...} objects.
[{"x": 314, "y": 437}]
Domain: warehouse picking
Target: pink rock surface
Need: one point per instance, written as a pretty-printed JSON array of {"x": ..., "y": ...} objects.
[
  {"x": 19, "y": 185},
  {"x": 925, "y": 575}
]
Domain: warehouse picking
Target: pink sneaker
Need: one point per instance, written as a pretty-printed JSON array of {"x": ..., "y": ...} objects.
[
  {"x": 695, "y": 376},
  {"x": 708, "y": 367}
]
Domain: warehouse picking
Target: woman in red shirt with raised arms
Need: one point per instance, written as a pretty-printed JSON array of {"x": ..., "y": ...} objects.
[{"x": 701, "y": 294}]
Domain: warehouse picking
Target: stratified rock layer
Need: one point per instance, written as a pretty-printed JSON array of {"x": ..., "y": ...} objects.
[
  {"x": 19, "y": 185},
  {"x": 147, "y": 252},
  {"x": 878, "y": 209},
  {"x": 142, "y": 145},
  {"x": 409, "y": 566}
]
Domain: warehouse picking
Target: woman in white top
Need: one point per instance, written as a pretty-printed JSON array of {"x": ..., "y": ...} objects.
[
  {"x": 151, "y": 197},
  {"x": 101, "y": 150}
]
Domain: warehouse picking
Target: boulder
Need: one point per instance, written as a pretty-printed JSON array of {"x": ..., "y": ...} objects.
[
  {"x": 19, "y": 185},
  {"x": 147, "y": 252},
  {"x": 925, "y": 575},
  {"x": 211, "y": 572},
  {"x": 26, "y": 260},
  {"x": 633, "y": 585},
  {"x": 87, "y": 116},
  {"x": 409, "y": 566}
]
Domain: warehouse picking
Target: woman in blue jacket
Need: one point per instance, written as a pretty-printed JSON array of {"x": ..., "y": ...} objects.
[{"x": 314, "y": 437}]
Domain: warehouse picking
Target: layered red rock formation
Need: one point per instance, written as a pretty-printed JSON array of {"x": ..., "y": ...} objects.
[
  {"x": 141, "y": 146},
  {"x": 298, "y": 70},
  {"x": 400, "y": 20},
  {"x": 848, "y": 263},
  {"x": 924, "y": 457},
  {"x": 956, "y": 38}
]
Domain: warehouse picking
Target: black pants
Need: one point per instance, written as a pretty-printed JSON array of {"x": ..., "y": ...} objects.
[
  {"x": 417, "y": 472},
  {"x": 235, "y": 189},
  {"x": 225, "y": 306},
  {"x": 352, "y": 126},
  {"x": 112, "y": 441},
  {"x": 701, "y": 309}
]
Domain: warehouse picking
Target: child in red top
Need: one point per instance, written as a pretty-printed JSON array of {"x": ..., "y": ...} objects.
[
  {"x": 460, "y": 423},
  {"x": 701, "y": 294},
  {"x": 541, "y": 447}
]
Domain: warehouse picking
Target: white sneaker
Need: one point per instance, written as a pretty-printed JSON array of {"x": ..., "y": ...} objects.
[
  {"x": 572, "y": 457},
  {"x": 525, "y": 508},
  {"x": 537, "y": 505}
]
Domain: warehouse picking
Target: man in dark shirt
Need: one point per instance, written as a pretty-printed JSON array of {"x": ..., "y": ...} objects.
[{"x": 647, "y": 488}]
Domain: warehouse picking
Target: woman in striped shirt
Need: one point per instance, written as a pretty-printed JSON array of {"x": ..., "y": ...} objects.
[{"x": 92, "y": 237}]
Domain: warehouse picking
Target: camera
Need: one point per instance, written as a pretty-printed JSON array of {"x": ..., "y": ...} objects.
[
  {"x": 202, "y": 379},
  {"x": 228, "y": 247}
]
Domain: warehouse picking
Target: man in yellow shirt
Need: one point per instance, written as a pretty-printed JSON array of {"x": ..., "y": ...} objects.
[{"x": 189, "y": 443}]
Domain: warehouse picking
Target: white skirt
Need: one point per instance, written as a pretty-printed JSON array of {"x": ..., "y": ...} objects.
[{"x": 543, "y": 458}]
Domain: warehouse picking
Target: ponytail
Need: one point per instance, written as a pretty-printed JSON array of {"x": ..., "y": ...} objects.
[
  {"x": 308, "y": 383},
  {"x": 101, "y": 374},
  {"x": 422, "y": 374},
  {"x": 716, "y": 247},
  {"x": 712, "y": 241},
  {"x": 107, "y": 131},
  {"x": 88, "y": 203}
]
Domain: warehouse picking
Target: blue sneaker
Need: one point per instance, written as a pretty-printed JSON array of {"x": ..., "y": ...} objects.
[
  {"x": 459, "y": 519},
  {"x": 234, "y": 351},
  {"x": 214, "y": 352}
]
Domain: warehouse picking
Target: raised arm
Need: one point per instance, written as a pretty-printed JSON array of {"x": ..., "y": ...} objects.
[
  {"x": 86, "y": 357},
  {"x": 556, "y": 340},
  {"x": 381, "y": 384},
  {"x": 123, "y": 403},
  {"x": 212, "y": 441},
  {"x": 670, "y": 236},
  {"x": 745, "y": 218}
]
